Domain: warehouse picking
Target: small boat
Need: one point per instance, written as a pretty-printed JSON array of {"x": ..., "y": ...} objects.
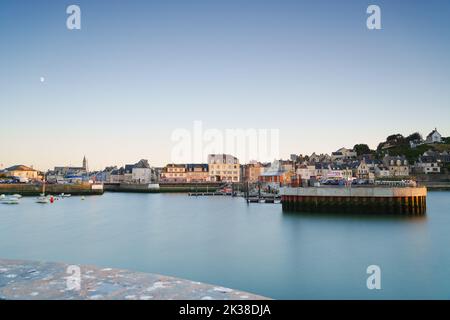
[
  {"x": 42, "y": 199},
  {"x": 63, "y": 195},
  {"x": 82, "y": 198},
  {"x": 18, "y": 196},
  {"x": 10, "y": 200},
  {"x": 2, "y": 196}
]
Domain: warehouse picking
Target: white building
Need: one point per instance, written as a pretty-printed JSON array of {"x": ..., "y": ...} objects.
[
  {"x": 142, "y": 173},
  {"x": 427, "y": 167},
  {"x": 343, "y": 154},
  {"x": 306, "y": 172},
  {"x": 224, "y": 168},
  {"x": 382, "y": 172},
  {"x": 434, "y": 137}
]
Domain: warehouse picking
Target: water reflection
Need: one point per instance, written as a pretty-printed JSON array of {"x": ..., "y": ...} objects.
[{"x": 355, "y": 216}]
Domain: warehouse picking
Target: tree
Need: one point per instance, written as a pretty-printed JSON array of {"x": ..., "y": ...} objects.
[
  {"x": 396, "y": 140},
  {"x": 414, "y": 137},
  {"x": 361, "y": 149}
]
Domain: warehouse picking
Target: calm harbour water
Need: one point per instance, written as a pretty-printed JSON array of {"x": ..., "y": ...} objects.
[{"x": 224, "y": 241}]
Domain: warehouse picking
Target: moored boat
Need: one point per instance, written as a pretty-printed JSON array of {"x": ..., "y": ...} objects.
[
  {"x": 63, "y": 195},
  {"x": 42, "y": 199},
  {"x": 10, "y": 200}
]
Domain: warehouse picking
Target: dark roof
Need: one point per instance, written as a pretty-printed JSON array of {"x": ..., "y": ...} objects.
[
  {"x": 174, "y": 165},
  {"x": 394, "y": 158},
  {"x": 197, "y": 165},
  {"x": 142, "y": 164},
  {"x": 432, "y": 132},
  {"x": 118, "y": 171}
]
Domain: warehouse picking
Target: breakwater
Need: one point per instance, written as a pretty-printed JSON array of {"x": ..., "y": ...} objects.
[
  {"x": 376, "y": 199},
  {"x": 54, "y": 189}
]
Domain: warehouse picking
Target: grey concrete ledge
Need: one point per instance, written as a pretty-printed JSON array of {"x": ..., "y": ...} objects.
[{"x": 30, "y": 280}]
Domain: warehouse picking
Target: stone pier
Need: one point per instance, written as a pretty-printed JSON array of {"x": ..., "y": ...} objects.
[
  {"x": 375, "y": 199},
  {"x": 30, "y": 280}
]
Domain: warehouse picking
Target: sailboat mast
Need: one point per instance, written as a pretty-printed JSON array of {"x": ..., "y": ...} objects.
[{"x": 43, "y": 186}]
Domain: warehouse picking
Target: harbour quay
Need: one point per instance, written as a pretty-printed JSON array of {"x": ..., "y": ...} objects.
[
  {"x": 35, "y": 189},
  {"x": 361, "y": 199}
]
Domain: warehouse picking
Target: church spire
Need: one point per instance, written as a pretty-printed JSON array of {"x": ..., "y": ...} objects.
[{"x": 84, "y": 163}]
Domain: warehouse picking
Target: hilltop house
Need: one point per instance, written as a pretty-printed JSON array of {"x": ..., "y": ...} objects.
[
  {"x": 433, "y": 137},
  {"x": 343, "y": 154}
]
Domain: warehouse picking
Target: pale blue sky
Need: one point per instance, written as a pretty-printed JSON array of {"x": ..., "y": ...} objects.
[{"x": 137, "y": 70}]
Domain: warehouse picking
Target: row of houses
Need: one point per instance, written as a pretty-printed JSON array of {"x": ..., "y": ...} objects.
[
  {"x": 220, "y": 168},
  {"x": 287, "y": 172},
  {"x": 341, "y": 164},
  {"x": 140, "y": 173},
  {"x": 322, "y": 167}
]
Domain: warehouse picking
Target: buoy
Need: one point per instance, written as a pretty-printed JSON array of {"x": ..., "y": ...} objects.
[
  {"x": 52, "y": 199},
  {"x": 82, "y": 198}
]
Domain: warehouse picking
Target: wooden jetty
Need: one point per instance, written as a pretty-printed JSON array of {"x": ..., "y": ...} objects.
[{"x": 196, "y": 194}]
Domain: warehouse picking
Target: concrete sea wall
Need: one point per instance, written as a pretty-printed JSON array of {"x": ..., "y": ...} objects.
[
  {"x": 375, "y": 200},
  {"x": 55, "y": 189},
  {"x": 439, "y": 181},
  {"x": 172, "y": 187}
]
